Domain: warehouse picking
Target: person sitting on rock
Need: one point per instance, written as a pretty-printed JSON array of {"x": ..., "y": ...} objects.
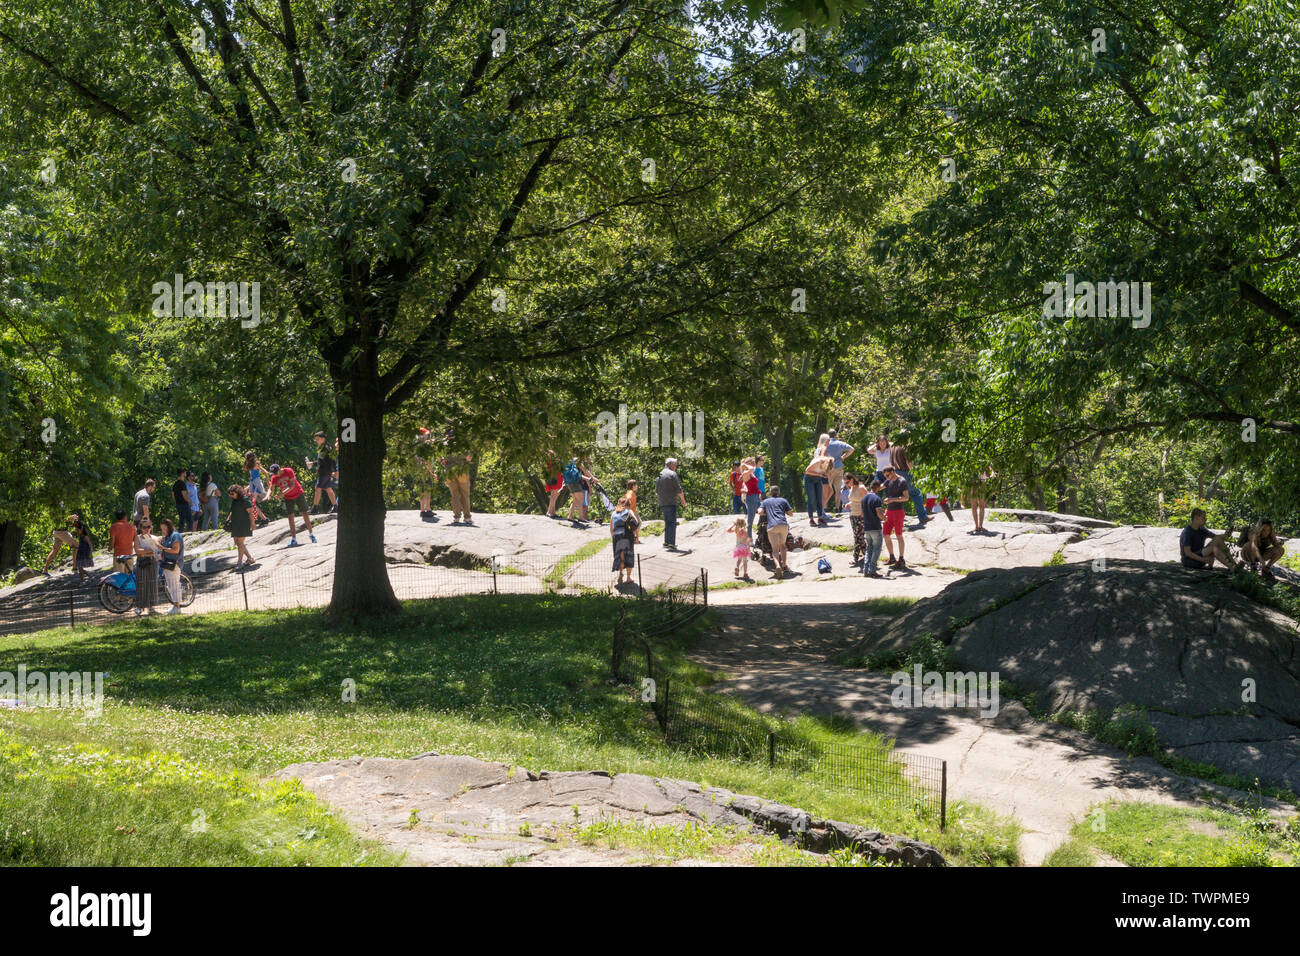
[
  {"x": 1198, "y": 546},
  {"x": 1262, "y": 549}
]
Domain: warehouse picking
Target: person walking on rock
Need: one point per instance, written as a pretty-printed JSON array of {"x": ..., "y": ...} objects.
[
  {"x": 554, "y": 483},
  {"x": 285, "y": 481},
  {"x": 455, "y": 472},
  {"x": 668, "y": 488},
  {"x": 857, "y": 491},
  {"x": 903, "y": 465},
  {"x": 838, "y": 450},
  {"x": 325, "y": 467},
  {"x": 895, "y": 499},
  {"x": 622, "y": 530},
  {"x": 753, "y": 498},
  {"x": 239, "y": 522},
  {"x": 815, "y": 478},
  {"x": 776, "y": 511},
  {"x": 873, "y": 514},
  {"x": 182, "y": 500}
]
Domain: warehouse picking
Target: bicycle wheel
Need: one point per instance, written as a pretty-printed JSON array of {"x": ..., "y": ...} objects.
[
  {"x": 187, "y": 591},
  {"x": 113, "y": 599}
]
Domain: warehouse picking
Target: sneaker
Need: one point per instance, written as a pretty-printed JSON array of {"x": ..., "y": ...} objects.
[
  {"x": 174, "y": 610},
  {"x": 313, "y": 538},
  {"x": 900, "y": 564},
  {"x": 293, "y": 543},
  {"x": 889, "y": 561},
  {"x": 1268, "y": 575}
]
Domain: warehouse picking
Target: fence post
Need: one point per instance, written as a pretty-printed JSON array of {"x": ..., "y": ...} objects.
[
  {"x": 494, "y": 574},
  {"x": 640, "y": 588},
  {"x": 243, "y": 583},
  {"x": 671, "y": 623},
  {"x": 72, "y": 613},
  {"x": 943, "y": 797},
  {"x": 616, "y": 659},
  {"x": 771, "y": 749},
  {"x": 704, "y": 577}
]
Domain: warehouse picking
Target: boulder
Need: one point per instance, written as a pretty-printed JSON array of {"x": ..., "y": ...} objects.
[{"x": 1217, "y": 673}]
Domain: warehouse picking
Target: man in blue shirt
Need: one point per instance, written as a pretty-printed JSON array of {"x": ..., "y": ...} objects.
[
  {"x": 838, "y": 450},
  {"x": 873, "y": 512},
  {"x": 775, "y": 509}
]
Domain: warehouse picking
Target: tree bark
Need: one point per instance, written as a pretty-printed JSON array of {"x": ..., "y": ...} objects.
[
  {"x": 361, "y": 585},
  {"x": 11, "y": 545}
]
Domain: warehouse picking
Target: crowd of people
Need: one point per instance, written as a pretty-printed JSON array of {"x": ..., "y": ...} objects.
[
  {"x": 137, "y": 549},
  {"x": 875, "y": 500}
]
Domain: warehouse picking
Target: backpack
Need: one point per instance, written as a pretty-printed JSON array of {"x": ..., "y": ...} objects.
[
  {"x": 572, "y": 476},
  {"x": 823, "y": 566}
]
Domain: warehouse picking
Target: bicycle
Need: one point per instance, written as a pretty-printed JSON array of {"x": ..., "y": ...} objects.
[{"x": 117, "y": 590}]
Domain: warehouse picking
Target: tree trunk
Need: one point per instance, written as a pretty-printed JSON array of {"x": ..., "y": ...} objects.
[
  {"x": 11, "y": 545},
  {"x": 361, "y": 585}
]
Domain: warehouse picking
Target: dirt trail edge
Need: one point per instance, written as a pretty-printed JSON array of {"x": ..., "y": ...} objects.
[{"x": 773, "y": 644}]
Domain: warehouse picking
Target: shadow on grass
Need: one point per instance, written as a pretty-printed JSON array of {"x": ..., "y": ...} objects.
[{"x": 474, "y": 654}]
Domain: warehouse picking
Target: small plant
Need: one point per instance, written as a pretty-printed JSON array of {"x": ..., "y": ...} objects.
[
  {"x": 525, "y": 829},
  {"x": 413, "y": 820}
]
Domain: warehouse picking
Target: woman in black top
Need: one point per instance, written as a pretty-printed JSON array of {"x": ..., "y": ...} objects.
[{"x": 239, "y": 522}]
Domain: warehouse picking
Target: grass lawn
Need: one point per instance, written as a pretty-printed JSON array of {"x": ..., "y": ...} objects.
[
  {"x": 198, "y": 708},
  {"x": 1144, "y": 834}
]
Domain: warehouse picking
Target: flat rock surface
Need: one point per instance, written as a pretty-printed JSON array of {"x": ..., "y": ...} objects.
[{"x": 455, "y": 810}]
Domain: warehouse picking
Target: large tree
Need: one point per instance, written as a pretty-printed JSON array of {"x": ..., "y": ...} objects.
[
  {"x": 1133, "y": 142},
  {"x": 421, "y": 188}
]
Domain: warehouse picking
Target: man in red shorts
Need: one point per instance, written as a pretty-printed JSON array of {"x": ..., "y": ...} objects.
[
  {"x": 285, "y": 481},
  {"x": 895, "y": 495}
]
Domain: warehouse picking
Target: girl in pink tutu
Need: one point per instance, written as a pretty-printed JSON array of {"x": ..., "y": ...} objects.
[{"x": 741, "y": 550}]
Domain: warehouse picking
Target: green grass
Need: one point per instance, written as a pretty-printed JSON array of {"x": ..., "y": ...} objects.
[
  {"x": 78, "y": 805},
  {"x": 1144, "y": 834},
  {"x": 1071, "y": 853},
  {"x": 556, "y": 575},
  {"x": 516, "y": 678},
  {"x": 891, "y": 606},
  {"x": 652, "y": 528}
]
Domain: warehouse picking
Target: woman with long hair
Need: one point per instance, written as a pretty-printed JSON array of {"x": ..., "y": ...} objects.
[
  {"x": 1262, "y": 548},
  {"x": 239, "y": 522},
  {"x": 815, "y": 478},
  {"x": 172, "y": 556},
  {"x": 256, "y": 487},
  {"x": 147, "y": 550}
]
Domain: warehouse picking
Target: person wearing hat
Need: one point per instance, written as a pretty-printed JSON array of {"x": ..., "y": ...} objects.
[
  {"x": 895, "y": 498},
  {"x": 285, "y": 481},
  {"x": 324, "y": 465}
]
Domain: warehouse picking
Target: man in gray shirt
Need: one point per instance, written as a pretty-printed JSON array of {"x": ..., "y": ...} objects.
[
  {"x": 143, "y": 498},
  {"x": 668, "y": 486}
]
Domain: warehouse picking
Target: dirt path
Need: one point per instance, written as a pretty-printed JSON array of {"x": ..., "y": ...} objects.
[{"x": 773, "y": 645}]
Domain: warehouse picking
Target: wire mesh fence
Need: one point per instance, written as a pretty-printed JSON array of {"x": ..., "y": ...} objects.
[{"x": 212, "y": 582}]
